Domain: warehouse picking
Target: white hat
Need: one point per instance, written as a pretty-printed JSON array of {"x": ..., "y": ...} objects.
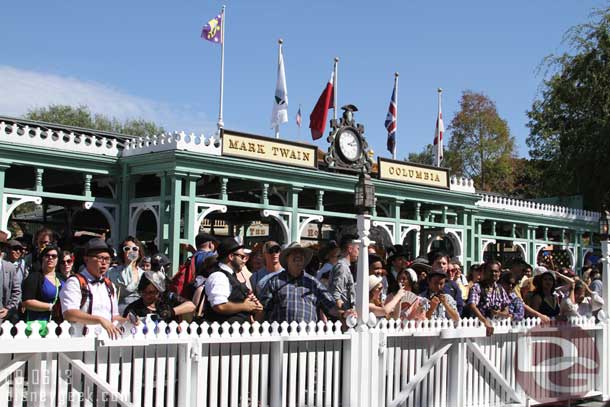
[
  {"x": 374, "y": 281},
  {"x": 412, "y": 275}
]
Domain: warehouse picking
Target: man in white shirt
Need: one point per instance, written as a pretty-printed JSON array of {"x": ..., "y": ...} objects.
[
  {"x": 581, "y": 302},
  {"x": 228, "y": 299},
  {"x": 89, "y": 298}
]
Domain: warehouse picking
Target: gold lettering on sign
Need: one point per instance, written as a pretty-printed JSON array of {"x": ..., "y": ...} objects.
[
  {"x": 259, "y": 148},
  {"x": 413, "y": 174}
]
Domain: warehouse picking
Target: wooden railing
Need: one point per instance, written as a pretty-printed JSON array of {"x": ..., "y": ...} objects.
[{"x": 431, "y": 363}]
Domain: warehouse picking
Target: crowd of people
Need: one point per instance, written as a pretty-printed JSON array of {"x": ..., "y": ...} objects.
[{"x": 224, "y": 281}]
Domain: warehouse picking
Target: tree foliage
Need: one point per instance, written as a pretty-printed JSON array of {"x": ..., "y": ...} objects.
[
  {"x": 81, "y": 116},
  {"x": 481, "y": 146},
  {"x": 570, "y": 121},
  {"x": 425, "y": 157}
]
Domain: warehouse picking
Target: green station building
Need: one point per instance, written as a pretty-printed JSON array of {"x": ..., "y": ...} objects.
[{"x": 165, "y": 188}]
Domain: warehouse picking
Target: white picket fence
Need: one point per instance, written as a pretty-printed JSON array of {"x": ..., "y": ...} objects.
[{"x": 428, "y": 363}]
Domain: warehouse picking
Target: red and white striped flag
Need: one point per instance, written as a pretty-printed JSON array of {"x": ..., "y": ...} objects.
[
  {"x": 438, "y": 134},
  {"x": 299, "y": 117}
]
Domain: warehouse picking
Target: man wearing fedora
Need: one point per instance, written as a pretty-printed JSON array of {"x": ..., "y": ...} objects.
[
  {"x": 90, "y": 298},
  {"x": 228, "y": 299},
  {"x": 293, "y": 295}
]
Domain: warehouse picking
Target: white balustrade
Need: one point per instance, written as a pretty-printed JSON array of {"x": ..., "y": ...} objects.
[{"x": 536, "y": 208}]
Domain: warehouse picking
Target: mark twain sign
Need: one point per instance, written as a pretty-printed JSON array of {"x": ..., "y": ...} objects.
[
  {"x": 266, "y": 149},
  {"x": 402, "y": 171}
]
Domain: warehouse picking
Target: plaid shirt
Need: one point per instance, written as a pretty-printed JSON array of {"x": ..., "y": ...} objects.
[
  {"x": 294, "y": 299},
  {"x": 516, "y": 308},
  {"x": 494, "y": 298}
]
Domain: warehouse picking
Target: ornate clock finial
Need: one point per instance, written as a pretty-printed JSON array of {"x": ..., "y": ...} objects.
[{"x": 348, "y": 148}]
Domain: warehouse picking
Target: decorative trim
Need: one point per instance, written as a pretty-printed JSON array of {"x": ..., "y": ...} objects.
[
  {"x": 388, "y": 227},
  {"x": 207, "y": 209},
  {"x": 58, "y": 139},
  {"x": 172, "y": 141},
  {"x": 284, "y": 218},
  {"x": 136, "y": 210},
  {"x": 484, "y": 243},
  {"x": 10, "y": 202},
  {"x": 461, "y": 184},
  {"x": 523, "y": 248},
  {"x": 110, "y": 212},
  {"x": 405, "y": 229},
  {"x": 537, "y": 248},
  {"x": 304, "y": 220},
  {"x": 536, "y": 208}
]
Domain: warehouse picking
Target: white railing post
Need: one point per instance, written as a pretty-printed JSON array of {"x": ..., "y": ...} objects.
[{"x": 456, "y": 374}]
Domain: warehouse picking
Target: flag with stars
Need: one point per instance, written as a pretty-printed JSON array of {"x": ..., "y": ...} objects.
[
  {"x": 299, "y": 118},
  {"x": 212, "y": 31},
  {"x": 390, "y": 123}
]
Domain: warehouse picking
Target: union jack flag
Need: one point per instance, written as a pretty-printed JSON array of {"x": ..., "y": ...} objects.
[{"x": 391, "y": 123}]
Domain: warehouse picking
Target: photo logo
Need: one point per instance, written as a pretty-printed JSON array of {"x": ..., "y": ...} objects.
[{"x": 556, "y": 362}]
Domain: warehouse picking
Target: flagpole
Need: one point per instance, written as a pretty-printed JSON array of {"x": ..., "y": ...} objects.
[
  {"x": 438, "y": 119},
  {"x": 335, "y": 89},
  {"x": 279, "y": 58},
  {"x": 396, "y": 116},
  {"x": 222, "y": 67}
]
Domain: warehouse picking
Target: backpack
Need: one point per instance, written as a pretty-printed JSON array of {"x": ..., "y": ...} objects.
[
  {"x": 86, "y": 293},
  {"x": 180, "y": 283}
]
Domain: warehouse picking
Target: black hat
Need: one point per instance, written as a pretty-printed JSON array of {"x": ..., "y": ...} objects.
[
  {"x": 15, "y": 243},
  {"x": 202, "y": 238},
  {"x": 159, "y": 261},
  {"x": 228, "y": 246},
  {"x": 437, "y": 273},
  {"x": 97, "y": 245},
  {"x": 421, "y": 264},
  {"x": 396, "y": 251}
]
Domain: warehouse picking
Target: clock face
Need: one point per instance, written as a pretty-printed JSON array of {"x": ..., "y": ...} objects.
[{"x": 349, "y": 145}]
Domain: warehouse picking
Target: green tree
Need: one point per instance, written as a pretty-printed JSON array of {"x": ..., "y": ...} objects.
[
  {"x": 425, "y": 157},
  {"x": 481, "y": 146},
  {"x": 81, "y": 116},
  {"x": 570, "y": 121}
]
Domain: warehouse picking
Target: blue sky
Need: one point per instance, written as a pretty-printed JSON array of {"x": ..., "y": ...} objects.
[{"x": 145, "y": 59}]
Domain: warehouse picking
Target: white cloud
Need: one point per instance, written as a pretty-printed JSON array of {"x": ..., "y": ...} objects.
[{"x": 23, "y": 90}]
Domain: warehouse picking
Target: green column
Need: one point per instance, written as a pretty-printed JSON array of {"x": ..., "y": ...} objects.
[
  {"x": 294, "y": 204},
  {"x": 124, "y": 195},
  {"x": 189, "y": 216},
  {"x": 163, "y": 214},
  {"x": 175, "y": 216},
  {"x": 3, "y": 168}
]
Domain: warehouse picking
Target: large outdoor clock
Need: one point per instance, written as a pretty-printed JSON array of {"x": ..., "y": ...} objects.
[{"x": 348, "y": 148}]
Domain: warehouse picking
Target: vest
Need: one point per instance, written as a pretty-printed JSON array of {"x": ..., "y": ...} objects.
[{"x": 239, "y": 293}]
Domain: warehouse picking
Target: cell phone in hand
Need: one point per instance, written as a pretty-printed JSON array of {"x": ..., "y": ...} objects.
[{"x": 133, "y": 318}]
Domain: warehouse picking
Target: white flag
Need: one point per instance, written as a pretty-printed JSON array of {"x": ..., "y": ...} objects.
[
  {"x": 279, "y": 114},
  {"x": 438, "y": 135}
]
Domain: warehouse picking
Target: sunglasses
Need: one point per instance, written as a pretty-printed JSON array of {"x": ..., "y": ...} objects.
[
  {"x": 69, "y": 261},
  {"x": 126, "y": 249},
  {"x": 274, "y": 250},
  {"x": 50, "y": 256}
]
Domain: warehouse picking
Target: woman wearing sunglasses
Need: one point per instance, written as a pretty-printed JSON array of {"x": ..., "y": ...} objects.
[
  {"x": 41, "y": 290},
  {"x": 66, "y": 264},
  {"x": 126, "y": 275}
]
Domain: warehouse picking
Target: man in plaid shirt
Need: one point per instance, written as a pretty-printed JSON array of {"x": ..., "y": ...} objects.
[{"x": 293, "y": 295}]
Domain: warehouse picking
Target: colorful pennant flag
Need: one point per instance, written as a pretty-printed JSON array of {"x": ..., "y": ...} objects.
[{"x": 212, "y": 31}]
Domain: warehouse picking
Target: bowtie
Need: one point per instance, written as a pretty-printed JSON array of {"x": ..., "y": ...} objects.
[{"x": 98, "y": 281}]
